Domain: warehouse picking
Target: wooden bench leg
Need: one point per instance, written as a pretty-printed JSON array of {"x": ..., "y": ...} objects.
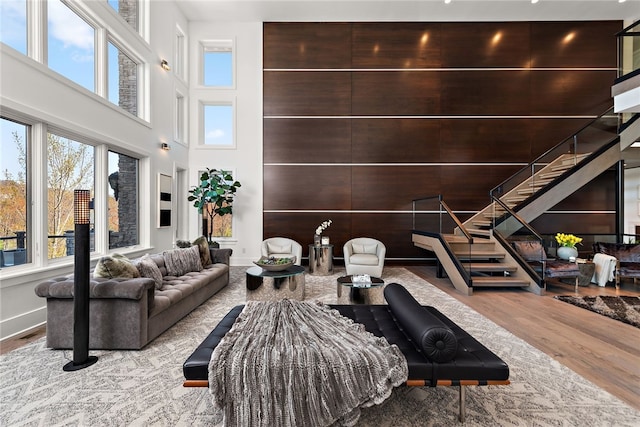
[{"x": 462, "y": 415}]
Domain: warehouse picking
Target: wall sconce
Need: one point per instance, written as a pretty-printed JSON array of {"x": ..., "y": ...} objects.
[
  {"x": 81, "y": 271},
  {"x": 165, "y": 65},
  {"x": 165, "y": 146}
]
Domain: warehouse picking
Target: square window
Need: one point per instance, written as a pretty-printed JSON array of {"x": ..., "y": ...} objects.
[
  {"x": 218, "y": 125},
  {"x": 217, "y": 60}
]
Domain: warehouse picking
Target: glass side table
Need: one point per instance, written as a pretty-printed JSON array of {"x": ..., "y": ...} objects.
[{"x": 321, "y": 260}]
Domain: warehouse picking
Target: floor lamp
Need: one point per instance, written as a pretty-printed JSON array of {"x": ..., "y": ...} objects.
[{"x": 82, "y": 219}]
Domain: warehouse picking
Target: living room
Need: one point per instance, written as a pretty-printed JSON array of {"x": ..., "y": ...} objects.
[{"x": 281, "y": 193}]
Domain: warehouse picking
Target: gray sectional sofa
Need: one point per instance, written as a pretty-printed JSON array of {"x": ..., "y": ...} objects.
[{"x": 128, "y": 313}]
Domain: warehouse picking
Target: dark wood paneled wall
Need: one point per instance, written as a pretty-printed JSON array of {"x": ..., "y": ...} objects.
[{"x": 361, "y": 118}]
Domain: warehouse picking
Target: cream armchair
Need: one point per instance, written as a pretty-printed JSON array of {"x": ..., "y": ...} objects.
[
  {"x": 364, "y": 255},
  {"x": 282, "y": 247}
]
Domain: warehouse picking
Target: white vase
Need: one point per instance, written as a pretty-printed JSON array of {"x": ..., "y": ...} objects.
[{"x": 566, "y": 252}]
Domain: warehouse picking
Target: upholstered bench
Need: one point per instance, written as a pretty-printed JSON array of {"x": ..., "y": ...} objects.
[{"x": 438, "y": 352}]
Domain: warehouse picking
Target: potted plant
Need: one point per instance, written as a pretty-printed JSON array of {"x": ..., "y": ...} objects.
[
  {"x": 213, "y": 197},
  {"x": 567, "y": 248}
]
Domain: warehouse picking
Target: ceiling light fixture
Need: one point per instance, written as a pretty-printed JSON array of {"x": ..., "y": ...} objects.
[
  {"x": 165, "y": 65},
  {"x": 534, "y": 1},
  {"x": 447, "y": 1}
]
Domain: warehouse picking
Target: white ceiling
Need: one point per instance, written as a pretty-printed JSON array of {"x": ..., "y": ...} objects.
[{"x": 408, "y": 10}]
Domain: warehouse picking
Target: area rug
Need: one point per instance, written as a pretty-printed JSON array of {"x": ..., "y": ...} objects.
[
  {"x": 623, "y": 308},
  {"x": 144, "y": 388}
]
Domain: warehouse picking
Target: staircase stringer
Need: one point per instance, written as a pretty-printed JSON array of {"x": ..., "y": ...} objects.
[
  {"x": 556, "y": 191},
  {"x": 435, "y": 245},
  {"x": 570, "y": 184}
]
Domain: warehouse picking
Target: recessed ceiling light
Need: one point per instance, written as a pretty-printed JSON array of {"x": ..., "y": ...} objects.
[
  {"x": 534, "y": 1},
  {"x": 447, "y": 1}
]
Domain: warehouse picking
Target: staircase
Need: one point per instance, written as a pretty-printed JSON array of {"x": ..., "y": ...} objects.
[{"x": 471, "y": 255}]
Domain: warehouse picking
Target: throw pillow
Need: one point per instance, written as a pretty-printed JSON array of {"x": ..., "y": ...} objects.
[
  {"x": 182, "y": 261},
  {"x": 148, "y": 268},
  {"x": 530, "y": 250},
  {"x": 278, "y": 249},
  {"x": 116, "y": 265},
  {"x": 183, "y": 243},
  {"x": 203, "y": 247}
]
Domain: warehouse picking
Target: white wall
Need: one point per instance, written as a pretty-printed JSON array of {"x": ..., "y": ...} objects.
[
  {"x": 631, "y": 200},
  {"x": 31, "y": 89},
  {"x": 245, "y": 160}
]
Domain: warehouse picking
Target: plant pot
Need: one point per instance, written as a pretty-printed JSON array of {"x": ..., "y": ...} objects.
[{"x": 566, "y": 252}]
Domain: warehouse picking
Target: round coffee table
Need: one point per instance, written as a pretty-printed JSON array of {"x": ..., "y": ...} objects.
[
  {"x": 373, "y": 293},
  {"x": 263, "y": 285}
]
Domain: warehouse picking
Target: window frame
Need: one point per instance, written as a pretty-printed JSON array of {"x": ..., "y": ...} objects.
[
  {"x": 212, "y": 45},
  {"x": 202, "y": 132}
]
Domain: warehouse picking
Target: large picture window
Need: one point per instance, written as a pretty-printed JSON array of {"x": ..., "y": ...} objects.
[
  {"x": 70, "y": 166},
  {"x": 13, "y": 24},
  {"x": 123, "y": 80},
  {"x": 123, "y": 201},
  {"x": 14, "y": 183},
  {"x": 71, "y": 43},
  {"x": 128, "y": 10}
]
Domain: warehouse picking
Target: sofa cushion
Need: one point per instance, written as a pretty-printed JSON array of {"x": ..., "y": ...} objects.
[
  {"x": 431, "y": 335},
  {"x": 530, "y": 250},
  {"x": 181, "y": 261},
  {"x": 148, "y": 268},
  {"x": 364, "y": 248},
  {"x": 116, "y": 265},
  {"x": 363, "y": 259},
  {"x": 203, "y": 248},
  {"x": 624, "y": 252}
]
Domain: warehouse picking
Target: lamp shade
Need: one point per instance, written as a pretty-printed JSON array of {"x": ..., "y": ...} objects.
[{"x": 81, "y": 206}]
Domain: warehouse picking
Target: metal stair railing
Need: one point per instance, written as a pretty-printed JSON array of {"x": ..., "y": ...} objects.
[
  {"x": 590, "y": 139},
  {"x": 434, "y": 218}
]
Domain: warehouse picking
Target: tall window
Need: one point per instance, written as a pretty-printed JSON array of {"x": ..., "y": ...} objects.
[
  {"x": 179, "y": 118},
  {"x": 123, "y": 80},
  {"x": 217, "y": 63},
  {"x": 180, "y": 48},
  {"x": 123, "y": 201},
  {"x": 69, "y": 167},
  {"x": 13, "y": 24},
  {"x": 14, "y": 181},
  {"x": 71, "y": 43},
  {"x": 219, "y": 126},
  {"x": 128, "y": 10}
]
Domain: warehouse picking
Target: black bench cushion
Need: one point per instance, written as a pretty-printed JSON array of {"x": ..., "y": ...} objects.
[
  {"x": 472, "y": 361},
  {"x": 432, "y": 337},
  {"x": 196, "y": 367}
]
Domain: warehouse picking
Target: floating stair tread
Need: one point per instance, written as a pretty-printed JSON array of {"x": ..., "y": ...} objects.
[
  {"x": 553, "y": 174},
  {"x": 479, "y": 255},
  {"x": 540, "y": 182},
  {"x": 481, "y": 222},
  {"x": 490, "y": 267},
  {"x": 495, "y": 281},
  {"x": 512, "y": 199},
  {"x": 479, "y": 232}
]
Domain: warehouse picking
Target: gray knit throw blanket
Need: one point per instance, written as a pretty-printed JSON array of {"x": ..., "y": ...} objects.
[{"x": 291, "y": 363}]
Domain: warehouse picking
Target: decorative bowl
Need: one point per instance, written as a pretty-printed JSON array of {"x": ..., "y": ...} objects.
[{"x": 275, "y": 264}]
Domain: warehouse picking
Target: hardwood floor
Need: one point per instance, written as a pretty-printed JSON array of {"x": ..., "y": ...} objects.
[{"x": 602, "y": 350}]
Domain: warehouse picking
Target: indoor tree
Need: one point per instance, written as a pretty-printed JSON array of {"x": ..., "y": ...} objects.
[{"x": 213, "y": 197}]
